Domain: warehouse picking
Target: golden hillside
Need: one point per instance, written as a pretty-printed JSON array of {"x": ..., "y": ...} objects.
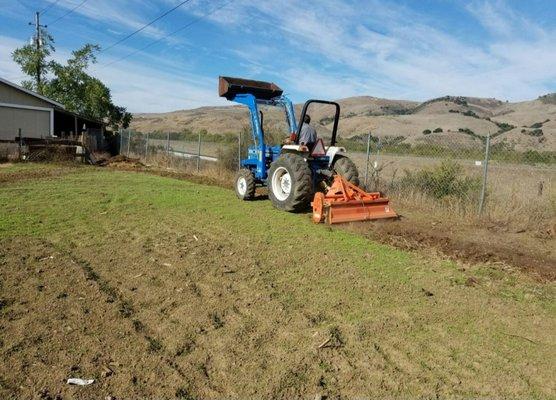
[{"x": 523, "y": 125}]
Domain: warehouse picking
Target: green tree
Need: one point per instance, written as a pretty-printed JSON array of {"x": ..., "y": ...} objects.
[
  {"x": 33, "y": 61},
  {"x": 71, "y": 85}
]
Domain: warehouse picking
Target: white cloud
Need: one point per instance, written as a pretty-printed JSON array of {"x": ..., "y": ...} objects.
[
  {"x": 404, "y": 55},
  {"x": 145, "y": 89},
  {"x": 334, "y": 48},
  {"x": 8, "y": 69}
]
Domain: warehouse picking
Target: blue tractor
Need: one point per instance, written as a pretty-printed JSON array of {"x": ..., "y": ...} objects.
[{"x": 292, "y": 172}]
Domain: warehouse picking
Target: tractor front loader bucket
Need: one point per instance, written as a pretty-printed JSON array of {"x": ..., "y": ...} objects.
[
  {"x": 228, "y": 87},
  {"x": 345, "y": 202}
]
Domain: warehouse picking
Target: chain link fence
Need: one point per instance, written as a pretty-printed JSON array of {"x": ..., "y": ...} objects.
[
  {"x": 467, "y": 176},
  {"x": 458, "y": 175}
]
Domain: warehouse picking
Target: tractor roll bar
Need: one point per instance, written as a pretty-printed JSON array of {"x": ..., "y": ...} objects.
[{"x": 304, "y": 111}]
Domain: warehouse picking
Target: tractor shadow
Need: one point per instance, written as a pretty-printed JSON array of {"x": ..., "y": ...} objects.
[{"x": 259, "y": 197}]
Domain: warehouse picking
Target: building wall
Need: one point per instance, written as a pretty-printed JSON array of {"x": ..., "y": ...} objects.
[
  {"x": 32, "y": 122},
  {"x": 11, "y": 95}
]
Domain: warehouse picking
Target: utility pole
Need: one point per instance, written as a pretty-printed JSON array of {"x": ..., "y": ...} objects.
[{"x": 38, "y": 44}]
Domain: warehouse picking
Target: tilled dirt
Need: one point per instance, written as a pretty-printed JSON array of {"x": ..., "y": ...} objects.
[
  {"x": 61, "y": 321},
  {"x": 533, "y": 252},
  {"x": 55, "y": 171}
]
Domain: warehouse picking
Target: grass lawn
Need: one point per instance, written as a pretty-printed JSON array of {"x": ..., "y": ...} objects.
[{"x": 159, "y": 287}]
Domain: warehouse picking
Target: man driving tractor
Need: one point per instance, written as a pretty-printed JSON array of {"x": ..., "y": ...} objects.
[{"x": 308, "y": 134}]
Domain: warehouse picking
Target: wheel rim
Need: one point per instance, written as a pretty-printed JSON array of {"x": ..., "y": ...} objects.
[
  {"x": 241, "y": 186},
  {"x": 281, "y": 183}
]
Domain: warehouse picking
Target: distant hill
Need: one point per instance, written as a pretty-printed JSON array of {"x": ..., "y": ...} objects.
[{"x": 522, "y": 125}]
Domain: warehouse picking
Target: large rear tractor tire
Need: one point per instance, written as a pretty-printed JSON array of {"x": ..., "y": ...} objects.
[
  {"x": 345, "y": 167},
  {"x": 245, "y": 184},
  {"x": 289, "y": 183}
]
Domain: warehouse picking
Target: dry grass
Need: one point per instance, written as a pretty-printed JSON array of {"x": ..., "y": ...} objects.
[{"x": 518, "y": 195}]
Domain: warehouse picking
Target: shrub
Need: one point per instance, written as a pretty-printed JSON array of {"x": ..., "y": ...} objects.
[
  {"x": 503, "y": 127},
  {"x": 535, "y": 157},
  {"x": 470, "y": 113},
  {"x": 438, "y": 130},
  {"x": 548, "y": 98},
  {"x": 326, "y": 120},
  {"x": 427, "y": 132},
  {"x": 441, "y": 181},
  {"x": 227, "y": 158}
]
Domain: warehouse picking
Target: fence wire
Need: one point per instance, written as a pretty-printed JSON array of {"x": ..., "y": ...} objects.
[{"x": 457, "y": 174}]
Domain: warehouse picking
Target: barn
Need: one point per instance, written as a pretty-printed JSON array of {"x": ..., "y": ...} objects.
[{"x": 38, "y": 116}]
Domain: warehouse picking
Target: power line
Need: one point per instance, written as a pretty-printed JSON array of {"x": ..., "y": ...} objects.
[
  {"x": 69, "y": 12},
  {"x": 168, "y": 35},
  {"x": 48, "y": 7},
  {"x": 146, "y": 25}
]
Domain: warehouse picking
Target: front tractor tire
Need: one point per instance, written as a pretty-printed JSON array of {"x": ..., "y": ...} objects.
[
  {"x": 245, "y": 184},
  {"x": 289, "y": 183},
  {"x": 345, "y": 167}
]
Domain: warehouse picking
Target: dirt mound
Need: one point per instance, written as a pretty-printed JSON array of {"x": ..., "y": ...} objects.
[{"x": 121, "y": 161}]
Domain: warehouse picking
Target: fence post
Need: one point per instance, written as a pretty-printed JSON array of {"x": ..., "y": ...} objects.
[
  {"x": 367, "y": 160},
  {"x": 121, "y": 142},
  {"x": 168, "y": 143},
  {"x": 239, "y": 151},
  {"x": 199, "y": 153},
  {"x": 128, "y": 142},
  {"x": 147, "y": 148},
  {"x": 485, "y": 175},
  {"x": 19, "y": 144}
]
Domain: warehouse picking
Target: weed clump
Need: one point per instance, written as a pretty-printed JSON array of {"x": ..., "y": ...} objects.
[
  {"x": 227, "y": 158},
  {"x": 444, "y": 180}
]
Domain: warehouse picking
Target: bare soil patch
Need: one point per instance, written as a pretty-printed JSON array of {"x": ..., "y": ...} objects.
[
  {"x": 60, "y": 321},
  {"x": 53, "y": 171},
  {"x": 533, "y": 252}
]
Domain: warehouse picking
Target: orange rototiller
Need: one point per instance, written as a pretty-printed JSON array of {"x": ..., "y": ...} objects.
[{"x": 345, "y": 202}]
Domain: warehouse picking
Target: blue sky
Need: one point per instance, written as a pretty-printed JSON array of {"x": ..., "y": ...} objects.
[{"x": 404, "y": 49}]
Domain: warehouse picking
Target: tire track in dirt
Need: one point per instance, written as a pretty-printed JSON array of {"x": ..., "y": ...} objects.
[
  {"x": 77, "y": 325},
  {"x": 126, "y": 310}
]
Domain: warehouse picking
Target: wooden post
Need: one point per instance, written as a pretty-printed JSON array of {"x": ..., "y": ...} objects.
[{"x": 20, "y": 144}]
